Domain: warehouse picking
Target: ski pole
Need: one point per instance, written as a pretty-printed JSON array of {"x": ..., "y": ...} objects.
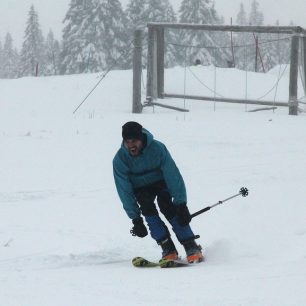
[{"x": 243, "y": 191}]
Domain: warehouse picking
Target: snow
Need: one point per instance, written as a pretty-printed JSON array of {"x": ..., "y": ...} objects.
[{"x": 64, "y": 237}]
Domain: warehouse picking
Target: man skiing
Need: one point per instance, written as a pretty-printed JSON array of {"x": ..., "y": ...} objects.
[{"x": 144, "y": 171}]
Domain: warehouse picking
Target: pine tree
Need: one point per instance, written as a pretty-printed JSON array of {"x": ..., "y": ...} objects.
[
  {"x": 159, "y": 11},
  {"x": 1, "y": 60},
  {"x": 32, "y": 52},
  {"x": 256, "y": 16},
  {"x": 112, "y": 32},
  {"x": 52, "y": 55},
  {"x": 76, "y": 44},
  {"x": 10, "y": 59},
  {"x": 162, "y": 11},
  {"x": 94, "y": 36},
  {"x": 241, "y": 18},
  {"x": 197, "y": 11},
  {"x": 241, "y": 40},
  {"x": 136, "y": 15},
  {"x": 140, "y": 12},
  {"x": 201, "y": 12},
  {"x": 250, "y": 52}
]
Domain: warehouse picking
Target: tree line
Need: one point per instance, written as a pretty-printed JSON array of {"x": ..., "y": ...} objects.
[{"x": 97, "y": 35}]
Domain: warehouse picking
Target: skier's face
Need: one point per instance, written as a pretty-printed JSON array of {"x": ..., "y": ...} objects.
[{"x": 134, "y": 146}]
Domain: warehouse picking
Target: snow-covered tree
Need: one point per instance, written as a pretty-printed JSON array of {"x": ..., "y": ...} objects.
[
  {"x": 1, "y": 60},
  {"x": 259, "y": 52},
  {"x": 242, "y": 18},
  {"x": 52, "y": 52},
  {"x": 241, "y": 40},
  {"x": 32, "y": 52},
  {"x": 256, "y": 17},
  {"x": 111, "y": 31},
  {"x": 201, "y": 12},
  {"x": 94, "y": 36},
  {"x": 9, "y": 58},
  {"x": 162, "y": 11},
  {"x": 140, "y": 12},
  {"x": 159, "y": 11},
  {"x": 136, "y": 15},
  {"x": 137, "y": 19},
  {"x": 249, "y": 55},
  {"x": 276, "y": 50},
  {"x": 75, "y": 49}
]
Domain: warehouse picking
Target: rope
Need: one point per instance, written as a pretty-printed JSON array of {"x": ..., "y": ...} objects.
[
  {"x": 214, "y": 92},
  {"x": 275, "y": 85},
  {"x": 226, "y": 47},
  {"x": 126, "y": 52}
]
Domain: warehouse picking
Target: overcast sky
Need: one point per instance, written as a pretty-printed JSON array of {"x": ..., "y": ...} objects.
[{"x": 13, "y": 13}]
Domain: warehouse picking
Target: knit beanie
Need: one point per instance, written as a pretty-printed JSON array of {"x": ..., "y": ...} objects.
[{"x": 132, "y": 130}]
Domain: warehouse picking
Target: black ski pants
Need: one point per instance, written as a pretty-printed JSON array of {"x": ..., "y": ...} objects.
[{"x": 146, "y": 196}]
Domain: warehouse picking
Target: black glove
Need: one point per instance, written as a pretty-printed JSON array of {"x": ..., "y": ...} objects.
[
  {"x": 139, "y": 228},
  {"x": 183, "y": 214}
]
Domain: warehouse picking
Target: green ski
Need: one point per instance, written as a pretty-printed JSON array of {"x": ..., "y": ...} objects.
[
  {"x": 141, "y": 262},
  {"x": 169, "y": 263}
]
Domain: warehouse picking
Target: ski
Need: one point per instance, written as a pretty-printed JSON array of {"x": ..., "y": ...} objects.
[
  {"x": 141, "y": 262},
  {"x": 168, "y": 263}
]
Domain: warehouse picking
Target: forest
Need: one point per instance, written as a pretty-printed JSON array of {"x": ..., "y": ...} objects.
[{"x": 97, "y": 35}]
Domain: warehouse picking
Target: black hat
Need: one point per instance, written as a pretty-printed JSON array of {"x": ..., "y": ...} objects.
[{"x": 132, "y": 130}]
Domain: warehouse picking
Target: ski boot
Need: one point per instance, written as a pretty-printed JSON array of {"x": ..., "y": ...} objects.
[
  {"x": 193, "y": 251},
  {"x": 169, "y": 250}
]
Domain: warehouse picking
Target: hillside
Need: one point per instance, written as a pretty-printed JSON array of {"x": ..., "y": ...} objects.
[{"x": 64, "y": 237}]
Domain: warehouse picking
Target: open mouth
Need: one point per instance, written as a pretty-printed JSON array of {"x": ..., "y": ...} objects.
[{"x": 133, "y": 150}]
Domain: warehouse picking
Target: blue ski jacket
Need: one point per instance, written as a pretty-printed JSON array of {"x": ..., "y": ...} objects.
[{"x": 152, "y": 165}]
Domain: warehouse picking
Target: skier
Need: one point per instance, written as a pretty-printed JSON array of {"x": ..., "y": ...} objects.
[{"x": 144, "y": 171}]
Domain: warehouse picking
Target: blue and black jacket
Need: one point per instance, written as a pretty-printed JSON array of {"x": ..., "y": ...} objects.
[{"x": 152, "y": 165}]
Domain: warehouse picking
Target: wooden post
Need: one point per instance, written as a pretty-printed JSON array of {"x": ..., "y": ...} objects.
[
  {"x": 256, "y": 53},
  {"x": 304, "y": 62},
  {"x": 234, "y": 28},
  {"x": 155, "y": 64},
  {"x": 137, "y": 69},
  {"x": 150, "y": 64},
  {"x": 232, "y": 47},
  {"x": 160, "y": 62},
  {"x": 293, "y": 81}
]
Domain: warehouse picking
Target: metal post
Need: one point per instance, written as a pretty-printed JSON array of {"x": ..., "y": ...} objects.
[
  {"x": 294, "y": 58},
  {"x": 137, "y": 69},
  {"x": 160, "y": 62}
]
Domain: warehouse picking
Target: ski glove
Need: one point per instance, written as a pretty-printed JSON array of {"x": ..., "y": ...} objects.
[
  {"x": 183, "y": 214},
  {"x": 139, "y": 228}
]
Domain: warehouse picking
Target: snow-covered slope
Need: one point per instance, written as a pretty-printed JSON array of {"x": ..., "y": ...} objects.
[{"x": 64, "y": 238}]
